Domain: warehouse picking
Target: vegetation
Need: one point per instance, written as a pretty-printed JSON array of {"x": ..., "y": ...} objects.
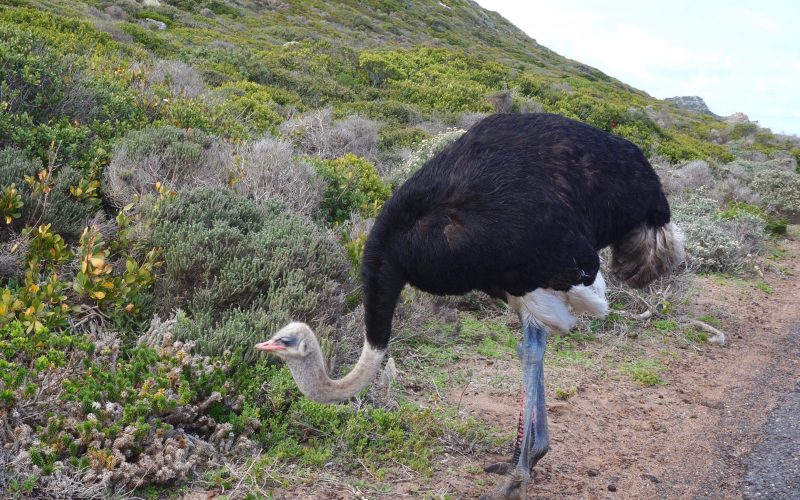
[{"x": 168, "y": 197}]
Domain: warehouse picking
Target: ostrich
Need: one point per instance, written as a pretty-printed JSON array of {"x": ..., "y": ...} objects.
[{"x": 518, "y": 207}]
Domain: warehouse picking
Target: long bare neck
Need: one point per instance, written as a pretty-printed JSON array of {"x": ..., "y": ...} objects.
[
  {"x": 382, "y": 285},
  {"x": 313, "y": 381}
]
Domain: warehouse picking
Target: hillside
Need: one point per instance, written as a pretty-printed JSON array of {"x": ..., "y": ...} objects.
[{"x": 180, "y": 178}]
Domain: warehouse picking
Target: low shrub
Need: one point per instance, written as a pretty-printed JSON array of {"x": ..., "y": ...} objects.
[
  {"x": 319, "y": 134},
  {"x": 267, "y": 170},
  {"x": 178, "y": 77},
  {"x": 173, "y": 157},
  {"x": 715, "y": 243},
  {"x": 241, "y": 271},
  {"x": 109, "y": 417},
  {"x": 780, "y": 191},
  {"x": 426, "y": 150},
  {"x": 690, "y": 176},
  {"x": 64, "y": 199},
  {"x": 353, "y": 185}
]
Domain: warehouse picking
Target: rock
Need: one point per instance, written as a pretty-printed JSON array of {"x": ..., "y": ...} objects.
[
  {"x": 692, "y": 103},
  {"x": 612, "y": 487},
  {"x": 153, "y": 23},
  {"x": 206, "y": 12},
  {"x": 737, "y": 118}
]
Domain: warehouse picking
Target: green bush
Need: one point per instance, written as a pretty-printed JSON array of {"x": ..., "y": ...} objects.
[
  {"x": 53, "y": 101},
  {"x": 241, "y": 271},
  {"x": 47, "y": 199},
  {"x": 772, "y": 224},
  {"x": 353, "y": 185},
  {"x": 394, "y": 138}
]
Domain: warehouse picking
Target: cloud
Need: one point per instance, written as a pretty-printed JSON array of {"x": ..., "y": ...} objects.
[{"x": 737, "y": 57}]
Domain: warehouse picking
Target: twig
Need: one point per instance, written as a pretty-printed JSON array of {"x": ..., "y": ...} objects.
[
  {"x": 368, "y": 472},
  {"x": 718, "y": 337},
  {"x": 643, "y": 316},
  {"x": 458, "y": 407}
]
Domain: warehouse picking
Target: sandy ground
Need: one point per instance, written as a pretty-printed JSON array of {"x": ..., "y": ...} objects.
[{"x": 689, "y": 438}]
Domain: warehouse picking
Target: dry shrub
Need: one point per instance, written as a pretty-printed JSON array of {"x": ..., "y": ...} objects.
[
  {"x": 502, "y": 101},
  {"x": 780, "y": 191},
  {"x": 181, "y": 79},
  {"x": 530, "y": 105},
  {"x": 659, "y": 297},
  {"x": 267, "y": 169},
  {"x": 466, "y": 121},
  {"x": 691, "y": 176},
  {"x": 116, "y": 12},
  {"x": 317, "y": 133},
  {"x": 714, "y": 244},
  {"x": 426, "y": 150},
  {"x": 177, "y": 158}
]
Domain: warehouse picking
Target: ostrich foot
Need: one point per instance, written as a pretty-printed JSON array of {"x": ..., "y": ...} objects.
[
  {"x": 501, "y": 468},
  {"x": 515, "y": 487}
]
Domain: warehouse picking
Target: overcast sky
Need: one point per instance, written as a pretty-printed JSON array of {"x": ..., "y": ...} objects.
[{"x": 736, "y": 55}]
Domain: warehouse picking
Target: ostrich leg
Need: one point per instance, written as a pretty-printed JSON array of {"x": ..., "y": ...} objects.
[{"x": 533, "y": 443}]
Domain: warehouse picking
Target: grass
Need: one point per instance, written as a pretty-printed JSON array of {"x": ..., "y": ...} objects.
[
  {"x": 566, "y": 393},
  {"x": 646, "y": 372},
  {"x": 764, "y": 287}
]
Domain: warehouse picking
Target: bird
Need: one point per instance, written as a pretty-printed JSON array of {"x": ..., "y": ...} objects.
[{"x": 518, "y": 207}]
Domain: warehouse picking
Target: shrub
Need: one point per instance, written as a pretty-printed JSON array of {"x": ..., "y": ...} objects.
[
  {"x": 266, "y": 170},
  {"x": 426, "y": 150},
  {"x": 394, "y": 138},
  {"x": 353, "y": 185},
  {"x": 257, "y": 107},
  {"x": 53, "y": 103},
  {"x": 690, "y": 176},
  {"x": 316, "y": 133},
  {"x": 780, "y": 191},
  {"x": 45, "y": 198},
  {"x": 181, "y": 79},
  {"x": 240, "y": 270},
  {"x": 176, "y": 158},
  {"x": 466, "y": 121},
  {"x": 110, "y": 418},
  {"x": 717, "y": 243},
  {"x": 502, "y": 101}
]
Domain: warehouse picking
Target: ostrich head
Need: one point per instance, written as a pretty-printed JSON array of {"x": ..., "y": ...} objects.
[
  {"x": 298, "y": 346},
  {"x": 294, "y": 341}
]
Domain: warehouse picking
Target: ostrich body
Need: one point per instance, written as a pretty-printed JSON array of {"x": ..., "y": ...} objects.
[{"x": 518, "y": 207}]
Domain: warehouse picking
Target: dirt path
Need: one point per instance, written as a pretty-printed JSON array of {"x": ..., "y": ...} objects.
[{"x": 688, "y": 438}]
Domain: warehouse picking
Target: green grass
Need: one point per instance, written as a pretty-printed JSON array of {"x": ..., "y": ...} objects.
[
  {"x": 764, "y": 287},
  {"x": 646, "y": 372}
]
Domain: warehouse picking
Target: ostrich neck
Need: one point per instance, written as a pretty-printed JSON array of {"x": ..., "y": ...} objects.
[
  {"x": 314, "y": 382},
  {"x": 382, "y": 285}
]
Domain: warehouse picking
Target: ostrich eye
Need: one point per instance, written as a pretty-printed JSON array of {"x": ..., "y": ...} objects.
[{"x": 287, "y": 341}]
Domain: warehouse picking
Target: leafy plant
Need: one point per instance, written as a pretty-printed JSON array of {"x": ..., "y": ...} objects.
[{"x": 353, "y": 184}]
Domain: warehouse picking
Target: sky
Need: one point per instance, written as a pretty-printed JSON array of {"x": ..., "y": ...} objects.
[{"x": 739, "y": 56}]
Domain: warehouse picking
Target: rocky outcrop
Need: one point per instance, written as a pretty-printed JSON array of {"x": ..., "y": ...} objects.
[
  {"x": 692, "y": 103},
  {"x": 737, "y": 118}
]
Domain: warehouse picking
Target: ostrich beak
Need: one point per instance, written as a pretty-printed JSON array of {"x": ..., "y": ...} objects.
[{"x": 270, "y": 345}]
